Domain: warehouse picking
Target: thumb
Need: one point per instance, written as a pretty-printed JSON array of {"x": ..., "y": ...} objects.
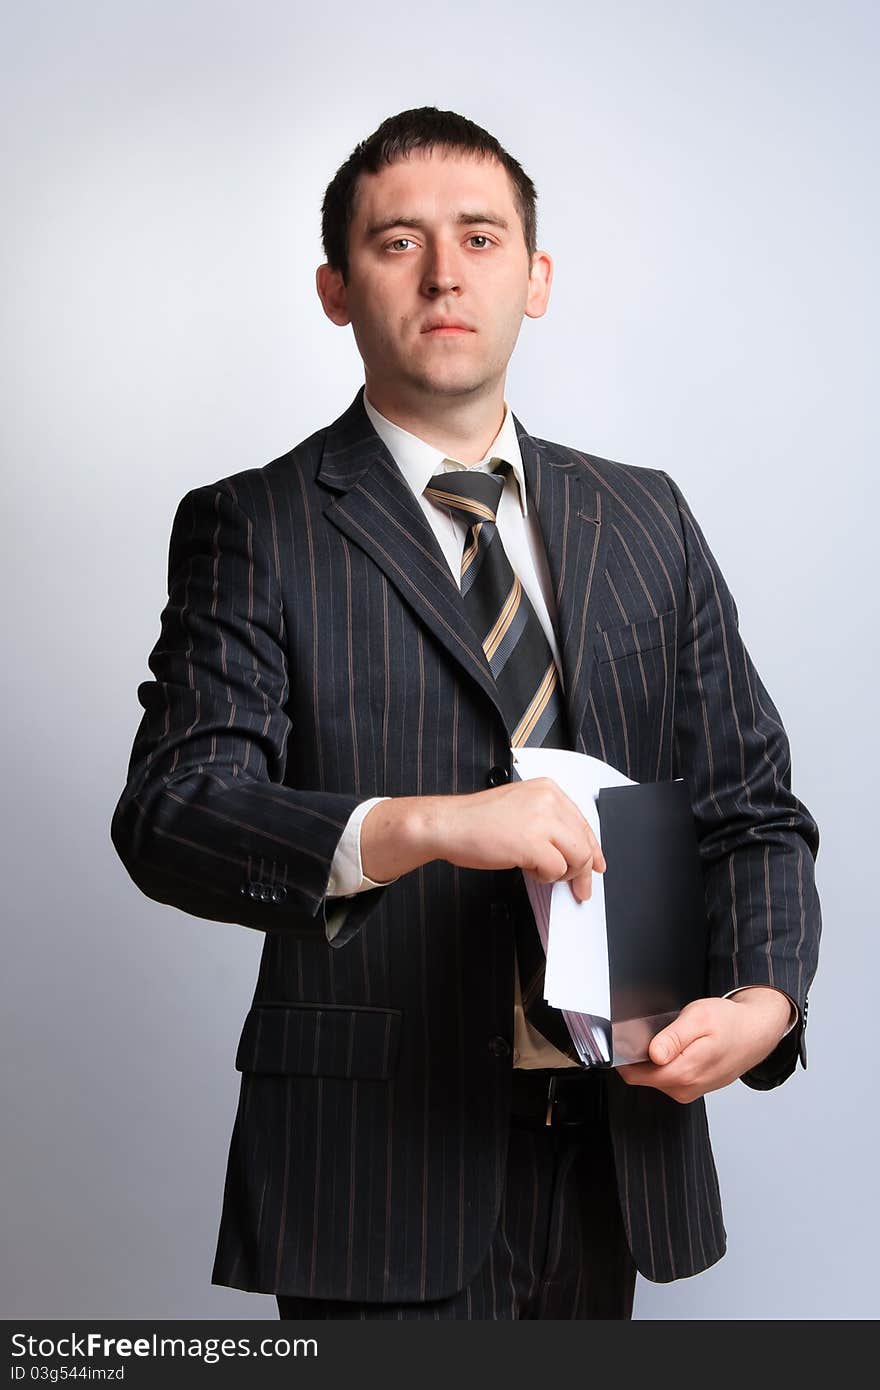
[{"x": 671, "y": 1041}]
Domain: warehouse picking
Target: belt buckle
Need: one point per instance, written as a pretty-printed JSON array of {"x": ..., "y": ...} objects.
[{"x": 551, "y": 1101}]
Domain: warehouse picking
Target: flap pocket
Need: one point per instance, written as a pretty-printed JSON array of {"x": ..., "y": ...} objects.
[
  {"x": 644, "y": 635},
  {"x": 320, "y": 1040}
]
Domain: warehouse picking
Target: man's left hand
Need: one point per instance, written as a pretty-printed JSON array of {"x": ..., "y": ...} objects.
[{"x": 711, "y": 1043}]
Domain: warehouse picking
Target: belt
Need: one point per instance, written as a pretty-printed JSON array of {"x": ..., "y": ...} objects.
[{"x": 566, "y": 1097}]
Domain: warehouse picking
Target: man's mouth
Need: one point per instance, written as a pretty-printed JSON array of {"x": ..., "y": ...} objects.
[{"x": 446, "y": 327}]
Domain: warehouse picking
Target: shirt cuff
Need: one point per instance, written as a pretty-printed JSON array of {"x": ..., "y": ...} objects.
[
  {"x": 795, "y": 1012},
  {"x": 346, "y": 871}
]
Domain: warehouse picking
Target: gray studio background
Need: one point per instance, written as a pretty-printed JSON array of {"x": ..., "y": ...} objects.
[{"x": 707, "y": 190}]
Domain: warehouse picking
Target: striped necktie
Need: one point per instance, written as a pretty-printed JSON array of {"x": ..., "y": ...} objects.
[{"x": 525, "y": 673}]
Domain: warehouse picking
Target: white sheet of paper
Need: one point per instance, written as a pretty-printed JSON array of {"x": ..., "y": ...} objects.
[{"x": 576, "y": 977}]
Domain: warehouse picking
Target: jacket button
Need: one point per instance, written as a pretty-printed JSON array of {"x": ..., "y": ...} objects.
[
  {"x": 278, "y": 895},
  {"x": 253, "y": 890},
  {"x": 497, "y": 776},
  {"x": 499, "y": 1047}
]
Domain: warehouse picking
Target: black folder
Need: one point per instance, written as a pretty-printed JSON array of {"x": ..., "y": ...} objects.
[{"x": 655, "y": 910}]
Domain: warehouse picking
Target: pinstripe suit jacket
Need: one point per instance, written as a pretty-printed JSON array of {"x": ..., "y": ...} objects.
[{"x": 314, "y": 652}]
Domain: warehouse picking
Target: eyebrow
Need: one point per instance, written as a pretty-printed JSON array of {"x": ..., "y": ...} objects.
[{"x": 462, "y": 219}]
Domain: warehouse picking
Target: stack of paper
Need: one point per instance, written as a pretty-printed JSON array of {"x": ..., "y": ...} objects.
[{"x": 621, "y": 964}]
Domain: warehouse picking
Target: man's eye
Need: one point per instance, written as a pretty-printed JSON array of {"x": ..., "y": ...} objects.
[
  {"x": 398, "y": 241},
  {"x": 480, "y": 236}
]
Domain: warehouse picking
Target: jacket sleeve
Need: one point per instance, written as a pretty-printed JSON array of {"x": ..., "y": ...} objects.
[
  {"x": 758, "y": 843},
  {"x": 205, "y": 822}
]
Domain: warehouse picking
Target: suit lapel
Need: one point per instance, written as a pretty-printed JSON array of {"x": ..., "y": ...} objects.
[
  {"x": 572, "y": 515},
  {"x": 374, "y": 506}
]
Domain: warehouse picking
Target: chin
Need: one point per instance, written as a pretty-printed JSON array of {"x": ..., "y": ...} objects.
[{"x": 453, "y": 383}]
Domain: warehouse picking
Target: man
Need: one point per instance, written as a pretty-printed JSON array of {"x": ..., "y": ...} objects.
[{"x": 355, "y": 636}]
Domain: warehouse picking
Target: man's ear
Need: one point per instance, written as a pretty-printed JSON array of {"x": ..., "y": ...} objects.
[
  {"x": 332, "y": 294},
  {"x": 540, "y": 279}
]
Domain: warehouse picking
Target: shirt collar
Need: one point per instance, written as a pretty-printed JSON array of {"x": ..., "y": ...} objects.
[{"x": 419, "y": 461}]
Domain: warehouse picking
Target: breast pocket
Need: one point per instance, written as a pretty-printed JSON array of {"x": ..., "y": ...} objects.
[
  {"x": 638, "y": 638},
  {"x": 632, "y": 695},
  {"x": 285, "y": 1039}
]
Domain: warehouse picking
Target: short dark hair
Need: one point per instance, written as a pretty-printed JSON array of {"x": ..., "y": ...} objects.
[{"x": 425, "y": 128}]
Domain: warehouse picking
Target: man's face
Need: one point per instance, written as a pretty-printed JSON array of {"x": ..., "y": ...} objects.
[{"x": 436, "y": 240}]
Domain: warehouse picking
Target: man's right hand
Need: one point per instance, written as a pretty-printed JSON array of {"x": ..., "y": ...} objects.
[{"x": 529, "y": 825}]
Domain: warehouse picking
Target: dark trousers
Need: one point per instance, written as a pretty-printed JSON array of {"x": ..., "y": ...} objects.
[{"x": 559, "y": 1250}]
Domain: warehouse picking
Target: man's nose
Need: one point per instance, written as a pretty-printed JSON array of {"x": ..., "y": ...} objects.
[{"x": 442, "y": 274}]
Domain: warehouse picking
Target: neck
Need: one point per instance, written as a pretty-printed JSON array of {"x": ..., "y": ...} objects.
[{"x": 461, "y": 427}]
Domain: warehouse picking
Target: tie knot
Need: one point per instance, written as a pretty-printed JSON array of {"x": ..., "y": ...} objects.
[{"x": 470, "y": 492}]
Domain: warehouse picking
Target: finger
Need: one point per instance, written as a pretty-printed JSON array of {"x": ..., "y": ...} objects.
[
  {"x": 577, "y": 823},
  {"x": 587, "y": 845},
  {"x": 671, "y": 1041},
  {"x": 598, "y": 857},
  {"x": 700, "y": 1069},
  {"x": 697, "y": 1070},
  {"x": 548, "y": 864},
  {"x": 577, "y": 866},
  {"x": 646, "y": 1074},
  {"x": 641, "y": 1073},
  {"x": 582, "y": 882},
  {"x": 581, "y": 888},
  {"x": 583, "y": 858}
]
